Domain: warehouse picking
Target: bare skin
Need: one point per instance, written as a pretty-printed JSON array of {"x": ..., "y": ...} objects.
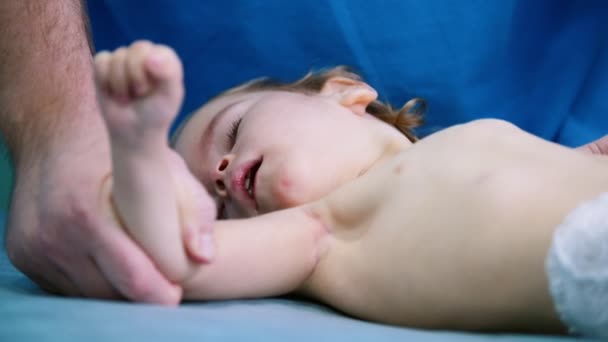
[
  {"x": 467, "y": 245},
  {"x": 600, "y": 146},
  {"x": 450, "y": 233},
  {"x": 137, "y": 122},
  {"x": 57, "y": 233},
  {"x": 50, "y": 120}
]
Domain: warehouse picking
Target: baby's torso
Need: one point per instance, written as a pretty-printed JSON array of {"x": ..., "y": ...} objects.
[{"x": 460, "y": 237}]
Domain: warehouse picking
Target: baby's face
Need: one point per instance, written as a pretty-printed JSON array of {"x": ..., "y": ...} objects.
[{"x": 262, "y": 151}]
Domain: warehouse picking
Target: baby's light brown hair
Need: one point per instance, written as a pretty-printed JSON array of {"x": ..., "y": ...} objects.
[{"x": 405, "y": 119}]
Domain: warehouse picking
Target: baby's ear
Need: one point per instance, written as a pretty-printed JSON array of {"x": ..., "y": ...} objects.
[{"x": 353, "y": 94}]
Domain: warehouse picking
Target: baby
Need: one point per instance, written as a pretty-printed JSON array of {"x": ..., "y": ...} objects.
[{"x": 327, "y": 195}]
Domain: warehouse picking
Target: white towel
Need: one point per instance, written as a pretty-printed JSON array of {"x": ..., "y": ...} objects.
[{"x": 577, "y": 267}]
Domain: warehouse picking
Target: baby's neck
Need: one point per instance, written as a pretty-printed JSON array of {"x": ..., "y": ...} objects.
[{"x": 389, "y": 149}]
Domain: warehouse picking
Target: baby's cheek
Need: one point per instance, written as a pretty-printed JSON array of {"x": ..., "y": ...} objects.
[{"x": 293, "y": 185}]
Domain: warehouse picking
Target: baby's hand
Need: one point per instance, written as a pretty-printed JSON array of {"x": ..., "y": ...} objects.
[
  {"x": 156, "y": 198},
  {"x": 139, "y": 86}
]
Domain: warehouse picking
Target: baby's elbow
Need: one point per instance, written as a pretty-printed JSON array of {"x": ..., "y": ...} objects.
[{"x": 176, "y": 268}]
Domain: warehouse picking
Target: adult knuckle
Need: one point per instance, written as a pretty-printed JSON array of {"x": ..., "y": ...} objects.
[
  {"x": 77, "y": 216},
  {"x": 46, "y": 242}
]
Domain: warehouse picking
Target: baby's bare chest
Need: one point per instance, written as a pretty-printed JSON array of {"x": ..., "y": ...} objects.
[{"x": 456, "y": 217}]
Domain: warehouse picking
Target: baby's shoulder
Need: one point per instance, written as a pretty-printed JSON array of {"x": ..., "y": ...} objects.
[
  {"x": 475, "y": 135},
  {"x": 481, "y": 128}
]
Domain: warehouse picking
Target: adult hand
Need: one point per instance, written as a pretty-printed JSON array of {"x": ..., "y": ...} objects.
[
  {"x": 61, "y": 231},
  {"x": 600, "y": 146},
  {"x": 59, "y": 235},
  {"x": 58, "y": 232}
]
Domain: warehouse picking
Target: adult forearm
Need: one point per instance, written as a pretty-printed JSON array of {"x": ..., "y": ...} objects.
[
  {"x": 46, "y": 83},
  {"x": 58, "y": 232}
]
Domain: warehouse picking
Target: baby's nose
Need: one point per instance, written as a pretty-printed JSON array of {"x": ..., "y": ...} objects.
[{"x": 221, "y": 176}]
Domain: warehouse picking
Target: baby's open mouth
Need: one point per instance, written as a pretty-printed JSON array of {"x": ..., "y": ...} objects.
[{"x": 250, "y": 179}]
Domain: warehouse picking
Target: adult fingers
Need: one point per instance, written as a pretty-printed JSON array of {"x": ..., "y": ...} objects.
[
  {"x": 88, "y": 279},
  {"x": 72, "y": 270},
  {"x": 39, "y": 259},
  {"x": 197, "y": 212},
  {"x": 599, "y": 146},
  {"x": 55, "y": 281},
  {"x": 131, "y": 271}
]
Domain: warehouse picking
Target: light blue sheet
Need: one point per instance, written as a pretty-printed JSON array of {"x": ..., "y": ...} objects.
[{"x": 28, "y": 314}]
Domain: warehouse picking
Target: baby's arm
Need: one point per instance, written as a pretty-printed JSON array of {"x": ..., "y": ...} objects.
[
  {"x": 140, "y": 92},
  {"x": 268, "y": 255}
]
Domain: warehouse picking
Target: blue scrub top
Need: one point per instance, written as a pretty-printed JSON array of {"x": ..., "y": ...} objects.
[{"x": 541, "y": 64}]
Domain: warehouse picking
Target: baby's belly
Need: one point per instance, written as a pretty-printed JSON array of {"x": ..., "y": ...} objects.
[{"x": 464, "y": 254}]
